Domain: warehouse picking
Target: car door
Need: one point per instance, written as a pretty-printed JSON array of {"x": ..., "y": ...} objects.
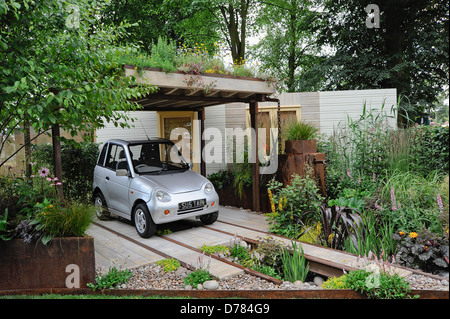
[{"x": 117, "y": 187}]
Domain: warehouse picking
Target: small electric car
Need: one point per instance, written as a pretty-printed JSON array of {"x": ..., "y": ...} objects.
[{"x": 149, "y": 183}]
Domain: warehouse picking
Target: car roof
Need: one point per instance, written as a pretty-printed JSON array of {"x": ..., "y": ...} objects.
[{"x": 150, "y": 140}]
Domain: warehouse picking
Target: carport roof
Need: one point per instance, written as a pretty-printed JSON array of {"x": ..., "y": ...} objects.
[{"x": 175, "y": 94}]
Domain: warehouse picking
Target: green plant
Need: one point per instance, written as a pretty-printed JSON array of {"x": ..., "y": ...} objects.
[
  {"x": 293, "y": 206},
  {"x": 335, "y": 283},
  {"x": 423, "y": 250},
  {"x": 215, "y": 249},
  {"x": 295, "y": 266},
  {"x": 268, "y": 253},
  {"x": 58, "y": 220},
  {"x": 169, "y": 264},
  {"x": 78, "y": 163},
  {"x": 377, "y": 285},
  {"x": 198, "y": 276},
  {"x": 338, "y": 224},
  {"x": 239, "y": 252},
  {"x": 111, "y": 279},
  {"x": 298, "y": 130},
  {"x": 375, "y": 237},
  {"x": 410, "y": 201}
]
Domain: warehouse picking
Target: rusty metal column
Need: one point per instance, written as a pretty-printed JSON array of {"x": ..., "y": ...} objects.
[
  {"x": 201, "y": 117},
  {"x": 255, "y": 162}
]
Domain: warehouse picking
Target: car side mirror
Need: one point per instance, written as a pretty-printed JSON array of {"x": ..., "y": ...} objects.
[{"x": 122, "y": 172}]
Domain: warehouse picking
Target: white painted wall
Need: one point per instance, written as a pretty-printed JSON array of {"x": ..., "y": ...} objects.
[
  {"x": 336, "y": 106},
  {"x": 146, "y": 123}
]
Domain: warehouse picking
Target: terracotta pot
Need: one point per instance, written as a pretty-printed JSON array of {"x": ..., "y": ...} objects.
[
  {"x": 300, "y": 146},
  {"x": 63, "y": 263}
]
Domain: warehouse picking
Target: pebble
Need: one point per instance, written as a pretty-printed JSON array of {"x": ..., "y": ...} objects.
[{"x": 152, "y": 276}]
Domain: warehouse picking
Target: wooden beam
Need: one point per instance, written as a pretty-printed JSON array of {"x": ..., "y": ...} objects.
[
  {"x": 201, "y": 117},
  {"x": 255, "y": 163}
]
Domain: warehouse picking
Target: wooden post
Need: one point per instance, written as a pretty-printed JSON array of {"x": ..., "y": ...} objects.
[
  {"x": 201, "y": 117},
  {"x": 57, "y": 158},
  {"x": 255, "y": 162}
]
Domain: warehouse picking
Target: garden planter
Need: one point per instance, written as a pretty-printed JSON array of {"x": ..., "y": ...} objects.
[
  {"x": 62, "y": 263},
  {"x": 300, "y": 146}
]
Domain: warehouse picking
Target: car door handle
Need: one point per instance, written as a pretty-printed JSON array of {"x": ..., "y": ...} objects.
[{"x": 107, "y": 178}]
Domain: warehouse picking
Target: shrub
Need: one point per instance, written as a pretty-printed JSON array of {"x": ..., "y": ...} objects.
[
  {"x": 198, "y": 276},
  {"x": 78, "y": 163},
  {"x": 53, "y": 220},
  {"x": 423, "y": 250},
  {"x": 293, "y": 206},
  {"x": 169, "y": 264},
  {"x": 111, "y": 279}
]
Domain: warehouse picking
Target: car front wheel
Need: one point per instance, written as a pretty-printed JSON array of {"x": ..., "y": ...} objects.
[
  {"x": 143, "y": 222},
  {"x": 208, "y": 219},
  {"x": 101, "y": 208}
]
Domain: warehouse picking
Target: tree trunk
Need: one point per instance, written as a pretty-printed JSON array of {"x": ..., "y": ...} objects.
[{"x": 57, "y": 158}]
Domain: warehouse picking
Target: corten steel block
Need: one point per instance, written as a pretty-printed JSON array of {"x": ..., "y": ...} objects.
[
  {"x": 300, "y": 146},
  {"x": 31, "y": 266}
]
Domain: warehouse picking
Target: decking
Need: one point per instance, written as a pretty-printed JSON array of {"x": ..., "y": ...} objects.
[{"x": 118, "y": 244}]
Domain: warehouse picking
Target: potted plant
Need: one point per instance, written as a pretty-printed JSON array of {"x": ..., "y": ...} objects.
[{"x": 300, "y": 138}]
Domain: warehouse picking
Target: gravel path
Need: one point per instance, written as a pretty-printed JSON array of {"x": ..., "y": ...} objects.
[{"x": 154, "y": 277}]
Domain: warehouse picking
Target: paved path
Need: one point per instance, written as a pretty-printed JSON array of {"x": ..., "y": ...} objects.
[{"x": 118, "y": 244}]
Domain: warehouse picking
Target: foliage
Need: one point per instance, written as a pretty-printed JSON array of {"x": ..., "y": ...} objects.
[
  {"x": 169, "y": 264},
  {"x": 78, "y": 163},
  {"x": 294, "y": 205},
  {"x": 410, "y": 44},
  {"x": 410, "y": 202},
  {"x": 423, "y": 250},
  {"x": 377, "y": 285},
  {"x": 299, "y": 130},
  {"x": 62, "y": 72},
  {"x": 111, "y": 279},
  {"x": 287, "y": 46},
  {"x": 375, "y": 237},
  {"x": 295, "y": 266},
  {"x": 340, "y": 224},
  {"x": 220, "y": 178},
  {"x": 268, "y": 253},
  {"x": 62, "y": 220},
  {"x": 215, "y": 249},
  {"x": 335, "y": 283},
  {"x": 198, "y": 276}
]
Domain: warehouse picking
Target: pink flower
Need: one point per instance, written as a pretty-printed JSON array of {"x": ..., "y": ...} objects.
[
  {"x": 394, "y": 204},
  {"x": 348, "y": 173},
  {"x": 44, "y": 172},
  {"x": 440, "y": 204}
]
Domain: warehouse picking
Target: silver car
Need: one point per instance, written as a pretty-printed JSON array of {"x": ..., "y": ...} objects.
[{"x": 149, "y": 183}]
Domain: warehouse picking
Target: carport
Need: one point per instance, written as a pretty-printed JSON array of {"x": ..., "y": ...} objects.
[{"x": 194, "y": 92}]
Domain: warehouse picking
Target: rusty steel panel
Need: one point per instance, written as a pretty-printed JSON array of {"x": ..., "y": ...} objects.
[{"x": 62, "y": 263}]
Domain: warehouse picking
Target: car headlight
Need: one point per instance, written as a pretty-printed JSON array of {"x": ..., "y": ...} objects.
[
  {"x": 208, "y": 188},
  {"x": 162, "y": 196}
]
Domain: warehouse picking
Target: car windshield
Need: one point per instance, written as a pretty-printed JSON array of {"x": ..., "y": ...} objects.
[{"x": 156, "y": 157}]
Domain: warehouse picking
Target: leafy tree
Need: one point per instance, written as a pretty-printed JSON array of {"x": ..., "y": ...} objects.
[
  {"x": 58, "y": 69},
  {"x": 180, "y": 20},
  {"x": 288, "y": 46},
  {"x": 408, "y": 51}
]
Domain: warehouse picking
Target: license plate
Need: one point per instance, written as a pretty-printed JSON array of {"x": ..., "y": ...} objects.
[{"x": 192, "y": 204}]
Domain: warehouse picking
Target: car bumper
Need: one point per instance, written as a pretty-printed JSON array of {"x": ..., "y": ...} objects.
[{"x": 166, "y": 212}]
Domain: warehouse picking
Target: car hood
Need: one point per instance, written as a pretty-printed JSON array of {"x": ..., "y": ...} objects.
[{"x": 177, "y": 182}]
